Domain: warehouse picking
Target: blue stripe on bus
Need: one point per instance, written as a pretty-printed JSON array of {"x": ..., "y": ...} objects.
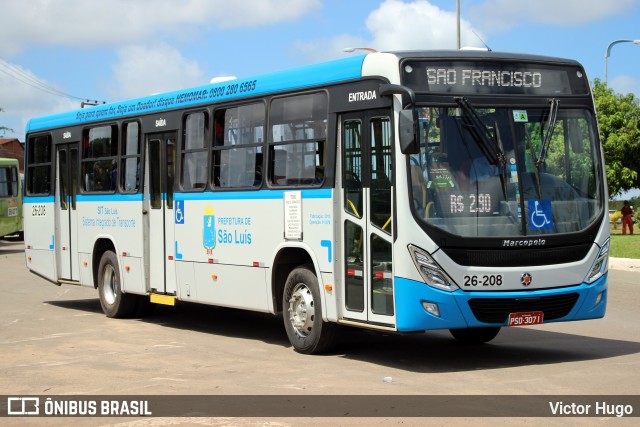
[
  {"x": 38, "y": 199},
  {"x": 308, "y": 76},
  {"x": 321, "y": 193},
  {"x": 109, "y": 197}
]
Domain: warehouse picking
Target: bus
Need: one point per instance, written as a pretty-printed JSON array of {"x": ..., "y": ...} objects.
[
  {"x": 10, "y": 198},
  {"x": 395, "y": 191}
]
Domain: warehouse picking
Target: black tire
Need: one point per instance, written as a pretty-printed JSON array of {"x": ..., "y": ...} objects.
[
  {"x": 114, "y": 302},
  {"x": 475, "y": 335},
  {"x": 302, "y": 313}
]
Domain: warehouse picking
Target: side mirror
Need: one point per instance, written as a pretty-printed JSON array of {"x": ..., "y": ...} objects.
[{"x": 407, "y": 128}]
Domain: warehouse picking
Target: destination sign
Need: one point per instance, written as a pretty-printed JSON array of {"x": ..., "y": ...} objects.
[{"x": 482, "y": 77}]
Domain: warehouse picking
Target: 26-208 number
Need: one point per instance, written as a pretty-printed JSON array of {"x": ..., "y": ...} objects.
[
  {"x": 485, "y": 280},
  {"x": 38, "y": 210}
]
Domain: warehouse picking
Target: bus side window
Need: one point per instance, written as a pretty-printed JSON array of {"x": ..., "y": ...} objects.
[
  {"x": 130, "y": 158},
  {"x": 39, "y": 165},
  {"x": 237, "y": 148},
  {"x": 14, "y": 181},
  {"x": 296, "y": 139},
  {"x": 195, "y": 152},
  {"x": 4, "y": 182},
  {"x": 99, "y": 159}
]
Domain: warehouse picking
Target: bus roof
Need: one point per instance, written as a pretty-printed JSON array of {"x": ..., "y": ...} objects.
[
  {"x": 300, "y": 77},
  {"x": 484, "y": 55},
  {"x": 8, "y": 161}
]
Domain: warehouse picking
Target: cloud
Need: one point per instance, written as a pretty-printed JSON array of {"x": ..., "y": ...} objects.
[
  {"x": 326, "y": 49},
  {"x": 498, "y": 15},
  {"x": 143, "y": 69},
  {"x": 396, "y": 25},
  {"x": 135, "y": 30},
  {"x": 625, "y": 85},
  {"x": 21, "y": 101},
  {"x": 86, "y": 23}
]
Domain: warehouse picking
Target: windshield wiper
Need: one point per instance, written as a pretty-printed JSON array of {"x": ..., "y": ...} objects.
[
  {"x": 546, "y": 141},
  {"x": 490, "y": 145},
  {"x": 503, "y": 160}
]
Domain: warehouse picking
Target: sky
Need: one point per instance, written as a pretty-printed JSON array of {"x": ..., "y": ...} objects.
[{"x": 56, "y": 53}]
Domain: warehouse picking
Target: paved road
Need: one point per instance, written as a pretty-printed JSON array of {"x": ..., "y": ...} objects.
[{"x": 56, "y": 341}]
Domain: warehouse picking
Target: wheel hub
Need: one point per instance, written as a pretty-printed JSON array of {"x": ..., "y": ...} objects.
[
  {"x": 301, "y": 311},
  {"x": 109, "y": 280}
]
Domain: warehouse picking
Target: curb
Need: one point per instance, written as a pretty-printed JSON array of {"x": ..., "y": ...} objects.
[{"x": 627, "y": 264}]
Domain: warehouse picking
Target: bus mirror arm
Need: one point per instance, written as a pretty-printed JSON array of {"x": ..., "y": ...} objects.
[
  {"x": 390, "y": 89},
  {"x": 408, "y": 117}
]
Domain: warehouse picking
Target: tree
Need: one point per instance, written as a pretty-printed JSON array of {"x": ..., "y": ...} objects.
[
  {"x": 3, "y": 129},
  {"x": 619, "y": 120}
]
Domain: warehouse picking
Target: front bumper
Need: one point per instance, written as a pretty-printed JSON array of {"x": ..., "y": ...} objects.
[{"x": 456, "y": 311}]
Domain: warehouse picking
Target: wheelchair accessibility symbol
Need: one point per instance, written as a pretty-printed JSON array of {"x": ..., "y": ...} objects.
[
  {"x": 179, "y": 212},
  {"x": 540, "y": 217}
]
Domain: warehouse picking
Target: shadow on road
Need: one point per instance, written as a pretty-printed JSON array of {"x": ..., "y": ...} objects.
[
  {"x": 431, "y": 352},
  {"x": 11, "y": 245},
  {"x": 436, "y": 351},
  {"x": 202, "y": 318}
]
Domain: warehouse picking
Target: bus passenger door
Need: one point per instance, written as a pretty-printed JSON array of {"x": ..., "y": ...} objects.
[
  {"x": 158, "y": 206},
  {"x": 367, "y": 225},
  {"x": 65, "y": 211}
]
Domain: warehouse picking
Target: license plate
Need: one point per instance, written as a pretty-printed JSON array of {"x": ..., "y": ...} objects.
[{"x": 526, "y": 319}]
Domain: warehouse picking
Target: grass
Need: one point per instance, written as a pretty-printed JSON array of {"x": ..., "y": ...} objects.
[{"x": 625, "y": 246}]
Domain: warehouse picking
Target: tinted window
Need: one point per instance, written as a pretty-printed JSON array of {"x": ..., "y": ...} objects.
[
  {"x": 39, "y": 165},
  {"x": 99, "y": 154},
  {"x": 194, "y": 152},
  {"x": 297, "y": 140},
  {"x": 237, "y": 146},
  {"x": 130, "y": 158}
]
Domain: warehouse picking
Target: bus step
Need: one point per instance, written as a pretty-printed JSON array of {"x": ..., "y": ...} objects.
[{"x": 163, "y": 299}]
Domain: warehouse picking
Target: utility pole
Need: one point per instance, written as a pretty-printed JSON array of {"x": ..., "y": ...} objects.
[{"x": 458, "y": 24}]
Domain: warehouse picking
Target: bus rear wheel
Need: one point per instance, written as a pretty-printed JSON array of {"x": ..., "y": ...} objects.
[
  {"x": 475, "y": 335},
  {"x": 114, "y": 302},
  {"x": 302, "y": 313}
]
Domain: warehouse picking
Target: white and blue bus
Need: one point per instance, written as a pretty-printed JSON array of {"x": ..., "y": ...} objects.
[{"x": 401, "y": 192}]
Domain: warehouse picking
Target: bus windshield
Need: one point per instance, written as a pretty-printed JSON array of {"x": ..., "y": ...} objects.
[{"x": 506, "y": 172}]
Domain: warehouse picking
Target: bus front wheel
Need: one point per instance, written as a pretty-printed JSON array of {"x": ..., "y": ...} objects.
[
  {"x": 475, "y": 335},
  {"x": 302, "y": 313},
  {"x": 114, "y": 302}
]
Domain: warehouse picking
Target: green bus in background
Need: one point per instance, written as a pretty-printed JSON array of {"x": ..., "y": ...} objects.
[{"x": 10, "y": 198}]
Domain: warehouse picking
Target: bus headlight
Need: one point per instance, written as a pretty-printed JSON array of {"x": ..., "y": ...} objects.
[
  {"x": 431, "y": 272},
  {"x": 600, "y": 265}
]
